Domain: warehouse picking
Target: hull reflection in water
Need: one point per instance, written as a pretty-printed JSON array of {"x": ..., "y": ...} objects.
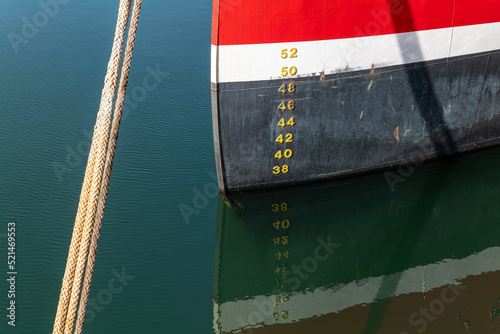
[{"x": 360, "y": 258}]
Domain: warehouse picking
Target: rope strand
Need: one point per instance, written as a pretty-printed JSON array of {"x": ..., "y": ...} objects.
[
  {"x": 109, "y": 165},
  {"x": 77, "y": 257}
]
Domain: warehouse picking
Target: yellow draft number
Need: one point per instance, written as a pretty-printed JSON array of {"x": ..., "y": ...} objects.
[
  {"x": 283, "y": 88},
  {"x": 287, "y": 154},
  {"x": 285, "y": 71},
  {"x": 290, "y": 105},
  {"x": 293, "y": 53},
  {"x": 291, "y": 122},
  {"x": 278, "y": 169},
  {"x": 287, "y": 139}
]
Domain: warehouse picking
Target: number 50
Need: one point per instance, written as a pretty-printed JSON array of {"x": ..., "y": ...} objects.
[{"x": 285, "y": 71}]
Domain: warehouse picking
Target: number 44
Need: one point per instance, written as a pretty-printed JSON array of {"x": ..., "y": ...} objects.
[{"x": 291, "y": 122}]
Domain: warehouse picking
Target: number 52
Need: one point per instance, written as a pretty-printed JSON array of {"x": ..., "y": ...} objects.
[{"x": 293, "y": 53}]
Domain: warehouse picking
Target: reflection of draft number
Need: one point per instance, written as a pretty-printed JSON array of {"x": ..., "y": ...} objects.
[
  {"x": 280, "y": 315},
  {"x": 281, "y": 268},
  {"x": 280, "y": 207},
  {"x": 284, "y": 224}
]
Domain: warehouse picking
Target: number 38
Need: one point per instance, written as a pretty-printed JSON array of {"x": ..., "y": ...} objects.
[{"x": 278, "y": 169}]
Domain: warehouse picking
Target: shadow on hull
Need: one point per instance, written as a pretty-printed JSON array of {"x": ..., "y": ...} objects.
[{"x": 357, "y": 257}]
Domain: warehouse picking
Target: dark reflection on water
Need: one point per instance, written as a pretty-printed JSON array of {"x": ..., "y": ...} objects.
[{"x": 355, "y": 257}]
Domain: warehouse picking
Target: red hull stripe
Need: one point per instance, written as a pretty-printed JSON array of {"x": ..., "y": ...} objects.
[{"x": 237, "y": 22}]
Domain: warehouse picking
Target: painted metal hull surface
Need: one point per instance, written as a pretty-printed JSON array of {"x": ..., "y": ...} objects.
[{"x": 367, "y": 85}]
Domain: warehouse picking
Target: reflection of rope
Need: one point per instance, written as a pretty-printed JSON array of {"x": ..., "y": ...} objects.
[
  {"x": 92, "y": 193},
  {"x": 109, "y": 164}
]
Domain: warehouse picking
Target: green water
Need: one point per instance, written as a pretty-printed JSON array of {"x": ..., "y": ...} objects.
[
  {"x": 180, "y": 254},
  {"x": 306, "y": 258},
  {"x": 50, "y": 92}
]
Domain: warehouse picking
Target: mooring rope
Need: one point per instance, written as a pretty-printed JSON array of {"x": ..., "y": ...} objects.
[
  {"x": 91, "y": 190},
  {"x": 89, "y": 270}
]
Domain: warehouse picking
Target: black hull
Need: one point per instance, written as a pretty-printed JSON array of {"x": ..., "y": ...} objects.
[{"x": 355, "y": 122}]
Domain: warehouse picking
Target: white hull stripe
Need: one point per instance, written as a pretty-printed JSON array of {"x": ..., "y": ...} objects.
[{"x": 255, "y": 62}]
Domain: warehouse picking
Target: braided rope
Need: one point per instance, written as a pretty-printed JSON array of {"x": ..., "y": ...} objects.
[
  {"x": 89, "y": 270},
  {"x": 89, "y": 196}
]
